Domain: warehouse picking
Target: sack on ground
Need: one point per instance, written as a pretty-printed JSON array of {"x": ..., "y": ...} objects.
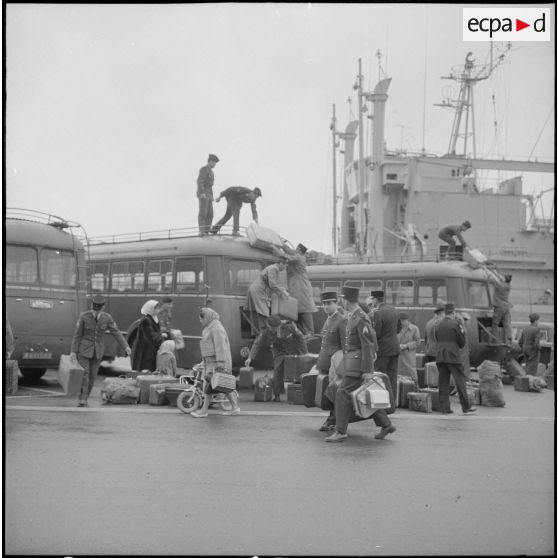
[
  {"x": 490, "y": 384},
  {"x": 120, "y": 390}
]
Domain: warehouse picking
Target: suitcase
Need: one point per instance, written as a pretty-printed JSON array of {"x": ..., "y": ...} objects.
[
  {"x": 431, "y": 375},
  {"x": 246, "y": 378},
  {"x": 308, "y": 383},
  {"x": 145, "y": 380},
  {"x": 404, "y": 386},
  {"x": 513, "y": 368},
  {"x": 521, "y": 383},
  {"x": 262, "y": 389},
  {"x": 223, "y": 383},
  {"x": 474, "y": 257},
  {"x": 157, "y": 395},
  {"x": 286, "y": 308},
  {"x": 172, "y": 391},
  {"x": 421, "y": 378},
  {"x": 419, "y": 360},
  {"x": 420, "y": 401},
  {"x": 320, "y": 399},
  {"x": 473, "y": 395},
  {"x": 70, "y": 375},
  {"x": 296, "y": 365},
  {"x": 120, "y": 390},
  {"x": 11, "y": 375},
  {"x": 294, "y": 394},
  {"x": 262, "y": 237},
  {"x": 434, "y": 398}
]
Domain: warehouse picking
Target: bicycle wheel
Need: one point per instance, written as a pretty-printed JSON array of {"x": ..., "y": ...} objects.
[{"x": 188, "y": 401}]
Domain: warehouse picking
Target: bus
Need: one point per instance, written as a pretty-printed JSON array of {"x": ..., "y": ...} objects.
[
  {"x": 416, "y": 288},
  {"x": 46, "y": 285},
  {"x": 194, "y": 271}
]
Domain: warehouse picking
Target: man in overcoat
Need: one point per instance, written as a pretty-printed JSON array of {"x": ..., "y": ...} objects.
[
  {"x": 430, "y": 347},
  {"x": 333, "y": 332},
  {"x": 236, "y": 196},
  {"x": 386, "y": 324},
  {"x": 450, "y": 339},
  {"x": 205, "y": 194},
  {"x": 88, "y": 343},
  {"x": 359, "y": 351},
  {"x": 530, "y": 344}
]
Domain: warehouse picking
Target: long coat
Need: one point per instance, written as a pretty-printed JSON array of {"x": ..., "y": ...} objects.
[
  {"x": 298, "y": 283},
  {"x": 385, "y": 325},
  {"x": 89, "y": 334},
  {"x": 147, "y": 342},
  {"x": 215, "y": 346},
  {"x": 333, "y": 332},
  {"x": 407, "y": 363},
  {"x": 260, "y": 291},
  {"x": 530, "y": 340},
  {"x": 450, "y": 336}
]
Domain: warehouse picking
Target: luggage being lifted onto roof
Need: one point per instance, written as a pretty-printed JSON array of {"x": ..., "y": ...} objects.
[{"x": 262, "y": 237}]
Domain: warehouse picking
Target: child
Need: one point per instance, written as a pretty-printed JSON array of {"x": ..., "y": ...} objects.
[{"x": 166, "y": 361}]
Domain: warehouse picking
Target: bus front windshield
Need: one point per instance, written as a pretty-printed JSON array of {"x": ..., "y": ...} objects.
[{"x": 478, "y": 294}]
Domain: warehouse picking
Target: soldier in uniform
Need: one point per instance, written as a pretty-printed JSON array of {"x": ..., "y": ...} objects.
[
  {"x": 359, "y": 351},
  {"x": 387, "y": 325},
  {"x": 333, "y": 332},
  {"x": 530, "y": 344},
  {"x": 450, "y": 338},
  {"x": 430, "y": 348},
  {"x": 205, "y": 194},
  {"x": 88, "y": 343},
  {"x": 236, "y": 196}
]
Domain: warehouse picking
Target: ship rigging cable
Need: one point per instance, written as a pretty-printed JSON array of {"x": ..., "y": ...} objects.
[{"x": 540, "y": 134}]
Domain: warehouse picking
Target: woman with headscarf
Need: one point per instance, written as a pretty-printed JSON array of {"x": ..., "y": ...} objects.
[
  {"x": 216, "y": 353},
  {"x": 148, "y": 338},
  {"x": 166, "y": 360},
  {"x": 261, "y": 289}
]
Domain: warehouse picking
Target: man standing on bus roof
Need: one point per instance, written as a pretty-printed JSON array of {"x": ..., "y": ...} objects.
[
  {"x": 502, "y": 304},
  {"x": 88, "y": 343},
  {"x": 205, "y": 194},
  {"x": 449, "y": 233},
  {"x": 387, "y": 325},
  {"x": 236, "y": 196}
]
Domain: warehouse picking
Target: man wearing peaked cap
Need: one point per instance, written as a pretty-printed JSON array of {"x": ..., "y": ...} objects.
[
  {"x": 205, "y": 194},
  {"x": 236, "y": 196},
  {"x": 530, "y": 343},
  {"x": 450, "y": 338},
  {"x": 332, "y": 334},
  {"x": 430, "y": 346},
  {"x": 359, "y": 349},
  {"x": 88, "y": 344}
]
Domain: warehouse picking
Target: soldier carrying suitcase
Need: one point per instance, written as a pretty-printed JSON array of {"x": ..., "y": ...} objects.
[{"x": 236, "y": 196}]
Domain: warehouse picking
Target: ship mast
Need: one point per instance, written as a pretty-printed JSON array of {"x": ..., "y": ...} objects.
[{"x": 335, "y": 145}]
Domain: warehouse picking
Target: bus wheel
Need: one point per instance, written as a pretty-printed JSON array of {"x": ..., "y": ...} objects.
[
  {"x": 189, "y": 401},
  {"x": 32, "y": 374}
]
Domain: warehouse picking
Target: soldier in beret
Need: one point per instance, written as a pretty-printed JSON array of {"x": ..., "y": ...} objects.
[
  {"x": 333, "y": 332},
  {"x": 530, "y": 344},
  {"x": 88, "y": 343},
  {"x": 359, "y": 352},
  {"x": 205, "y": 194},
  {"x": 451, "y": 338}
]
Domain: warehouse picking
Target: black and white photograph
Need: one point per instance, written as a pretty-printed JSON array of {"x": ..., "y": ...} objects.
[{"x": 279, "y": 279}]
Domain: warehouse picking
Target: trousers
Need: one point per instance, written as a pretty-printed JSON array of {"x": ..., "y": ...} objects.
[
  {"x": 233, "y": 210},
  {"x": 90, "y": 369},
  {"x": 388, "y": 365},
  {"x": 278, "y": 383},
  {"x": 446, "y": 369},
  {"x": 305, "y": 323},
  {"x": 502, "y": 315},
  {"x": 205, "y": 214}
]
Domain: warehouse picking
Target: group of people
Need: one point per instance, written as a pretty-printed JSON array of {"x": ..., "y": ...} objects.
[{"x": 235, "y": 196}]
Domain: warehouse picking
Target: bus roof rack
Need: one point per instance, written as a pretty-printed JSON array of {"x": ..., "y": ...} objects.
[{"x": 40, "y": 217}]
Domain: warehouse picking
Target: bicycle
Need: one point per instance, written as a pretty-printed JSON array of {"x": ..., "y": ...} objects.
[{"x": 191, "y": 398}]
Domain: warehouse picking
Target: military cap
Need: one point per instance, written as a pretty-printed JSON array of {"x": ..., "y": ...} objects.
[
  {"x": 274, "y": 320},
  {"x": 534, "y": 317},
  {"x": 98, "y": 300},
  {"x": 258, "y": 192},
  {"x": 439, "y": 308},
  {"x": 377, "y": 294},
  {"x": 404, "y": 316},
  {"x": 449, "y": 308},
  {"x": 213, "y": 158},
  {"x": 350, "y": 294},
  {"x": 301, "y": 248},
  {"x": 328, "y": 296}
]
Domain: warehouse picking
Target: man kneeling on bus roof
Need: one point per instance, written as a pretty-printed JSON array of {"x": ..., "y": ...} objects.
[{"x": 88, "y": 343}]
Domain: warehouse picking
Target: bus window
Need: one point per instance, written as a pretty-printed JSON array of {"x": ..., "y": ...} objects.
[
  {"x": 189, "y": 274},
  {"x": 399, "y": 292},
  {"x": 319, "y": 287},
  {"x": 241, "y": 274},
  {"x": 127, "y": 276},
  {"x": 99, "y": 278},
  {"x": 432, "y": 291},
  {"x": 159, "y": 276},
  {"x": 353, "y": 283},
  {"x": 373, "y": 285},
  {"x": 58, "y": 268},
  {"x": 478, "y": 294},
  {"x": 21, "y": 264}
]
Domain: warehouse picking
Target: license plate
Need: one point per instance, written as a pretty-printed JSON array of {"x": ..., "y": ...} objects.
[{"x": 37, "y": 356}]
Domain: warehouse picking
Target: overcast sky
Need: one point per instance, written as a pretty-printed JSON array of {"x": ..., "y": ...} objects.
[{"x": 111, "y": 110}]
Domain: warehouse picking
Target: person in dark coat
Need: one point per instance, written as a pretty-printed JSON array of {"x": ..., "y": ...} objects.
[
  {"x": 430, "y": 346},
  {"x": 450, "y": 339},
  {"x": 236, "y": 196},
  {"x": 205, "y": 194},
  {"x": 359, "y": 352},
  {"x": 530, "y": 344},
  {"x": 333, "y": 332},
  {"x": 386, "y": 324},
  {"x": 148, "y": 338},
  {"x": 450, "y": 233},
  {"x": 285, "y": 339},
  {"x": 88, "y": 344}
]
